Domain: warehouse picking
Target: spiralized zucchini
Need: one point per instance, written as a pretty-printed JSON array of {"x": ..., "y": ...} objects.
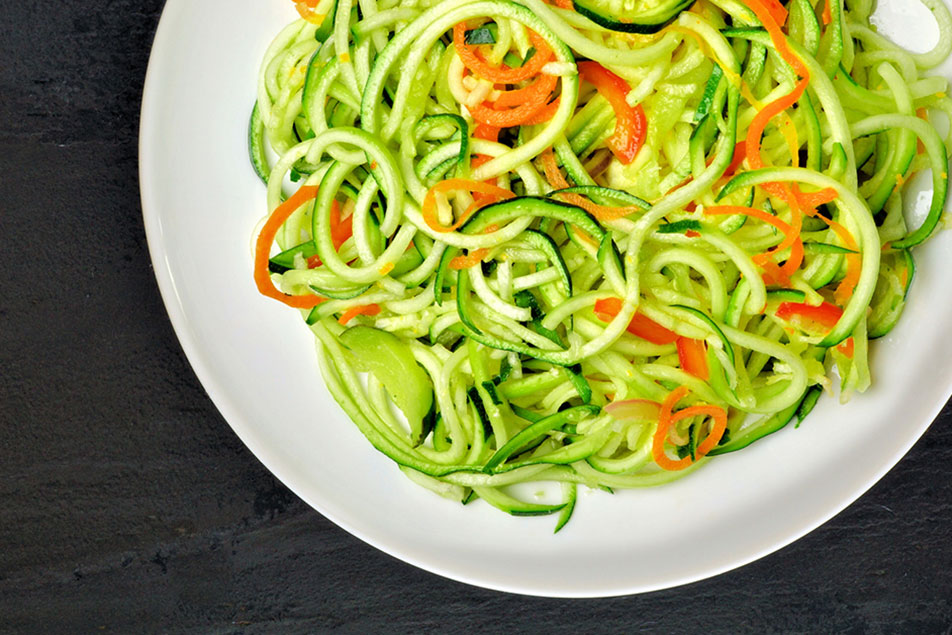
[{"x": 534, "y": 249}]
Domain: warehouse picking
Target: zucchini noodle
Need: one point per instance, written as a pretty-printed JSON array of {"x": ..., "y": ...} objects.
[{"x": 555, "y": 243}]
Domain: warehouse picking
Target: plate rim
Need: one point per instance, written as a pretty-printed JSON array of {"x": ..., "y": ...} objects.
[{"x": 219, "y": 395}]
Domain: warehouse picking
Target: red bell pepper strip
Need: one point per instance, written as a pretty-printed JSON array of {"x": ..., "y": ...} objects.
[
  {"x": 847, "y": 347},
  {"x": 692, "y": 354},
  {"x": 631, "y": 126},
  {"x": 640, "y": 326},
  {"x": 822, "y": 316}
]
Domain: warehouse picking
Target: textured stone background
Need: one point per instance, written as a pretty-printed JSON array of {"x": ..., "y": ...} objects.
[{"x": 127, "y": 504}]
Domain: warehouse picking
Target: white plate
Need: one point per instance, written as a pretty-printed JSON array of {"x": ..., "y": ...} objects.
[{"x": 256, "y": 359}]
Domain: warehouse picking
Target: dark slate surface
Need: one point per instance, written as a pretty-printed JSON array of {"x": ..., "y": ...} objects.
[{"x": 129, "y": 506}]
